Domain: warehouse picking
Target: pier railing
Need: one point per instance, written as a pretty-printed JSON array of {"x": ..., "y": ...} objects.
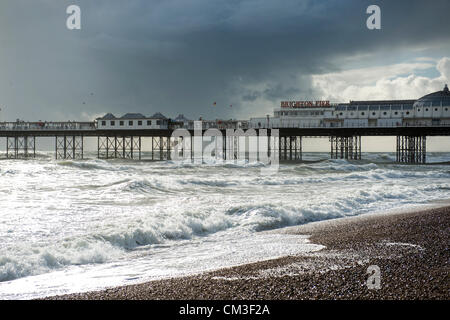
[
  {"x": 91, "y": 126},
  {"x": 311, "y": 126},
  {"x": 46, "y": 126}
]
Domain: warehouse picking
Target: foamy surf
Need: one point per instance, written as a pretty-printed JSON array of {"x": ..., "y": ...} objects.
[{"x": 70, "y": 226}]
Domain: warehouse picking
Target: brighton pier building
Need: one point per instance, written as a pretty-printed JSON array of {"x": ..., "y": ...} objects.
[{"x": 430, "y": 110}]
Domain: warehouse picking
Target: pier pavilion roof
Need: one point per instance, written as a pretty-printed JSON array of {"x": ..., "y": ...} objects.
[
  {"x": 435, "y": 99},
  {"x": 133, "y": 116},
  {"x": 379, "y": 102},
  {"x": 180, "y": 118},
  {"x": 158, "y": 115},
  {"x": 108, "y": 116}
]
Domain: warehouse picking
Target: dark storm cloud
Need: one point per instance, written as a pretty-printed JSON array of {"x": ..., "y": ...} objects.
[{"x": 181, "y": 56}]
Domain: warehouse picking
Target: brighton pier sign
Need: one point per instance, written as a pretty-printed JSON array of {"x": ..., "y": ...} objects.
[{"x": 304, "y": 104}]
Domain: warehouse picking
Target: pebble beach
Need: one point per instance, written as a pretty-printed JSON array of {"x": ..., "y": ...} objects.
[{"x": 410, "y": 249}]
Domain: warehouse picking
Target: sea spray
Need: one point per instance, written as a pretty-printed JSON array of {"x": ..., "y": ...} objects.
[{"x": 117, "y": 220}]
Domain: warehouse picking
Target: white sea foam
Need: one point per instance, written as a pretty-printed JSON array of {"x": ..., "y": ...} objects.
[{"x": 156, "y": 218}]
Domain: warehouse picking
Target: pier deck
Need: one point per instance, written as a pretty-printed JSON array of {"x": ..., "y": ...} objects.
[{"x": 122, "y": 143}]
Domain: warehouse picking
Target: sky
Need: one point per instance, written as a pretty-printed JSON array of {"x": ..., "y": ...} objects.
[{"x": 181, "y": 56}]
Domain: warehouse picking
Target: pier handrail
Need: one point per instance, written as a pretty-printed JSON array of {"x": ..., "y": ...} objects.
[
  {"x": 47, "y": 126},
  {"x": 80, "y": 125}
]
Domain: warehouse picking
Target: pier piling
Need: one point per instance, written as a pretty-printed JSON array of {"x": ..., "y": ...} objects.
[
  {"x": 119, "y": 147},
  {"x": 69, "y": 147},
  {"x": 20, "y": 147},
  {"x": 411, "y": 149},
  {"x": 348, "y": 147}
]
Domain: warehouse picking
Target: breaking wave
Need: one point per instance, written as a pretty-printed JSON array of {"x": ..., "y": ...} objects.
[{"x": 76, "y": 213}]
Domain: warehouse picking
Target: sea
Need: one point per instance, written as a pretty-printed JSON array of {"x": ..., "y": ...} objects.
[{"x": 76, "y": 226}]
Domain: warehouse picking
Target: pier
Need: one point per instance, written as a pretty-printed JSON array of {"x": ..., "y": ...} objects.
[{"x": 345, "y": 142}]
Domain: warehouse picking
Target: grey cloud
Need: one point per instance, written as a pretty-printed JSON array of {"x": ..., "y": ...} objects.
[{"x": 181, "y": 56}]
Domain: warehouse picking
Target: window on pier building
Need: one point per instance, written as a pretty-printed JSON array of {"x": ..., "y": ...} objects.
[
  {"x": 139, "y": 123},
  {"x": 103, "y": 123},
  {"x": 120, "y": 123},
  {"x": 130, "y": 123},
  {"x": 158, "y": 122},
  {"x": 149, "y": 122},
  {"x": 436, "y": 103},
  {"x": 113, "y": 123}
]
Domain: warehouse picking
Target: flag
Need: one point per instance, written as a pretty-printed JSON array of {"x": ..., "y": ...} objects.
[
  {"x": 231, "y": 106},
  {"x": 214, "y": 104}
]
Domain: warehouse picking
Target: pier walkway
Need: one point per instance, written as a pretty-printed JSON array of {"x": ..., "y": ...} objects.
[{"x": 345, "y": 142}]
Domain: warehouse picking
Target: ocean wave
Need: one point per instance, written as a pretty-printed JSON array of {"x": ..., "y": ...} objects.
[
  {"x": 209, "y": 182},
  {"x": 105, "y": 246},
  {"x": 113, "y": 213},
  {"x": 272, "y": 216},
  {"x": 28, "y": 261},
  {"x": 95, "y": 165},
  {"x": 145, "y": 186},
  {"x": 8, "y": 172}
]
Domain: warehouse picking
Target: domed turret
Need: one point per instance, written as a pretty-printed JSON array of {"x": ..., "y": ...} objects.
[{"x": 435, "y": 99}]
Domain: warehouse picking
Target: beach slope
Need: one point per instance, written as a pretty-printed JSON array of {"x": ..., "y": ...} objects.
[{"x": 410, "y": 249}]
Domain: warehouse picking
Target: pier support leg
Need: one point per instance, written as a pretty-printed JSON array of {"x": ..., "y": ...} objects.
[
  {"x": 120, "y": 147},
  {"x": 20, "y": 147},
  {"x": 290, "y": 148},
  {"x": 152, "y": 152},
  {"x": 346, "y": 147},
  {"x": 107, "y": 147},
  {"x": 411, "y": 149},
  {"x": 161, "y": 148},
  {"x": 132, "y": 148},
  {"x": 291, "y": 139},
  {"x": 69, "y": 147},
  {"x": 169, "y": 147},
  {"x": 102, "y": 147},
  {"x": 298, "y": 148}
]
